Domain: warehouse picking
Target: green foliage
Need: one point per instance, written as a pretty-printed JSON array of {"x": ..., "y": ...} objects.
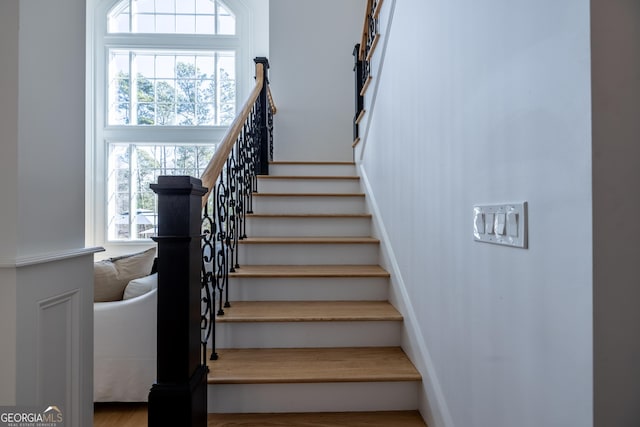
[{"x": 190, "y": 100}]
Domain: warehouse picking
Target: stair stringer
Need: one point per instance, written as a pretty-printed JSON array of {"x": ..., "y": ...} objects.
[{"x": 432, "y": 403}]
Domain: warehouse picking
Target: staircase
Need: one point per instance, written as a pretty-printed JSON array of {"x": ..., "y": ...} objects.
[{"x": 310, "y": 339}]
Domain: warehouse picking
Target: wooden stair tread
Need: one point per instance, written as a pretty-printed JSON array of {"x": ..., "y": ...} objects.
[
  {"x": 311, "y": 365},
  {"x": 304, "y": 162},
  {"x": 309, "y": 240},
  {"x": 308, "y": 215},
  {"x": 319, "y": 419},
  {"x": 309, "y": 271},
  {"x": 309, "y": 311},
  {"x": 311, "y": 177},
  {"x": 308, "y": 194}
]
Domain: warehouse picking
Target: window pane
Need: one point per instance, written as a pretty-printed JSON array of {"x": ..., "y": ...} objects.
[
  {"x": 186, "y": 113},
  {"x": 226, "y": 25},
  {"x": 205, "y": 7},
  {"x": 166, "y": 6},
  {"x": 205, "y": 24},
  {"x": 119, "y": 24},
  {"x": 132, "y": 210},
  {"x": 186, "y": 6},
  {"x": 118, "y": 20},
  {"x": 144, "y": 24},
  {"x": 186, "y": 66},
  {"x": 185, "y": 24},
  {"x": 205, "y": 64},
  {"x": 165, "y": 24},
  {"x": 119, "y": 113},
  {"x": 207, "y": 114},
  {"x": 165, "y": 66},
  {"x": 118, "y": 92},
  {"x": 143, "y": 6},
  {"x": 206, "y": 91},
  {"x": 146, "y": 113},
  {"x": 226, "y": 20},
  {"x": 144, "y": 66}
]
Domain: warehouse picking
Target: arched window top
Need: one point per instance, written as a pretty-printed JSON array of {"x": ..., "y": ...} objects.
[{"x": 210, "y": 17}]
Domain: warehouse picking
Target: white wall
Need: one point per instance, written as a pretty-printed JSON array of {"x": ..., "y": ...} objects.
[
  {"x": 259, "y": 12},
  {"x": 488, "y": 102},
  {"x": 51, "y": 126},
  {"x": 8, "y": 193},
  {"x": 42, "y": 255},
  {"x": 616, "y": 174},
  {"x": 311, "y": 77},
  {"x": 9, "y": 125}
]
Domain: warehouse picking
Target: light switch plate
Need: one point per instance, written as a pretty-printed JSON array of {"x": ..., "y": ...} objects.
[{"x": 516, "y": 234}]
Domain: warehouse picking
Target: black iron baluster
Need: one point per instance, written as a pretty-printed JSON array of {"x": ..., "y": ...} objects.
[
  {"x": 224, "y": 220},
  {"x": 261, "y": 123},
  {"x": 208, "y": 299},
  {"x": 221, "y": 272},
  {"x": 242, "y": 205},
  {"x": 357, "y": 70},
  {"x": 232, "y": 214},
  {"x": 270, "y": 129}
]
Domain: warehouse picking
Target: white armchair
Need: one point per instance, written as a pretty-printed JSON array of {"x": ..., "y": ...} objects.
[{"x": 125, "y": 346}]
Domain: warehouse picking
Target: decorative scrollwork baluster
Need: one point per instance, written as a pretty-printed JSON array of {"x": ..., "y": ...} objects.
[
  {"x": 221, "y": 272},
  {"x": 231, "y": 199},
  {"x": 207, "y": 317},
  {"x": 270, "y": 129}
]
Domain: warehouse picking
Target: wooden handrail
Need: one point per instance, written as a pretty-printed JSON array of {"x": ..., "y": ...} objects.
[
  {"x": 373, "y": 13},
  {"x": 365, "y": 30},
  {"x": 216, "y": 164}
]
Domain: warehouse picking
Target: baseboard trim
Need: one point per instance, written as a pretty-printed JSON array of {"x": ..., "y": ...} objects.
[
  {"x": 433, "y": 405},
  {"x": 29, "y": 260}
]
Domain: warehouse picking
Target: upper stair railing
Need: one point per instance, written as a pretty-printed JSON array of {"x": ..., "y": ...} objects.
[
  {"x": 362, "y": 53},
  {"x": 200, "y": 222}
]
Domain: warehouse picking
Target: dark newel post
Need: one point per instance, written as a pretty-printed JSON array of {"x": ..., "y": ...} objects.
[
  {"x": 263, "y": 165},
  {"x": 179, "y": 397},
  {"x": 357, "y": 71}
]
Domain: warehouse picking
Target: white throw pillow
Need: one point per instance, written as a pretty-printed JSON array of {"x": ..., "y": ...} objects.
[
  {"x": 111, "y": 276},
  {"x": 140, "y": 286}
]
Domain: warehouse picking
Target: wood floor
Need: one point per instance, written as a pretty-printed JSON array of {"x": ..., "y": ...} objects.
[
  {"x": 119, "y": 415},
  {"x": 135, "y": 415}
]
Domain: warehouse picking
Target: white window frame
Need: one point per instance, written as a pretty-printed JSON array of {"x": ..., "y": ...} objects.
[{"x": 100, "y": 134}]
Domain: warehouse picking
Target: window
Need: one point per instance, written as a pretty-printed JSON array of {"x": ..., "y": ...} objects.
[
  {"x": 166, "y": 86},
  {"x": 171, "y": 88},
  {"x": 172, "y": 16}
]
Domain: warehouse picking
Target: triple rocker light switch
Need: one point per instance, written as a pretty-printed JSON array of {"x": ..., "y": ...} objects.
[{"x": 504, "y": 224}]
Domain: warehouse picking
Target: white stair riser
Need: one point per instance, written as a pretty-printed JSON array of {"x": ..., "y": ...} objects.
[
  {"x": 308, "y": 226},
  {"x": 309, "y": 205},
  {"x": 320, "y": 397},
  {"x": 309, "y": 289},
  {"x": 315, "y": 186},
  {"x": 308, "y": 254},
  {"x": 307, "y": 334},
  {"x": 312, "y": 170}
]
